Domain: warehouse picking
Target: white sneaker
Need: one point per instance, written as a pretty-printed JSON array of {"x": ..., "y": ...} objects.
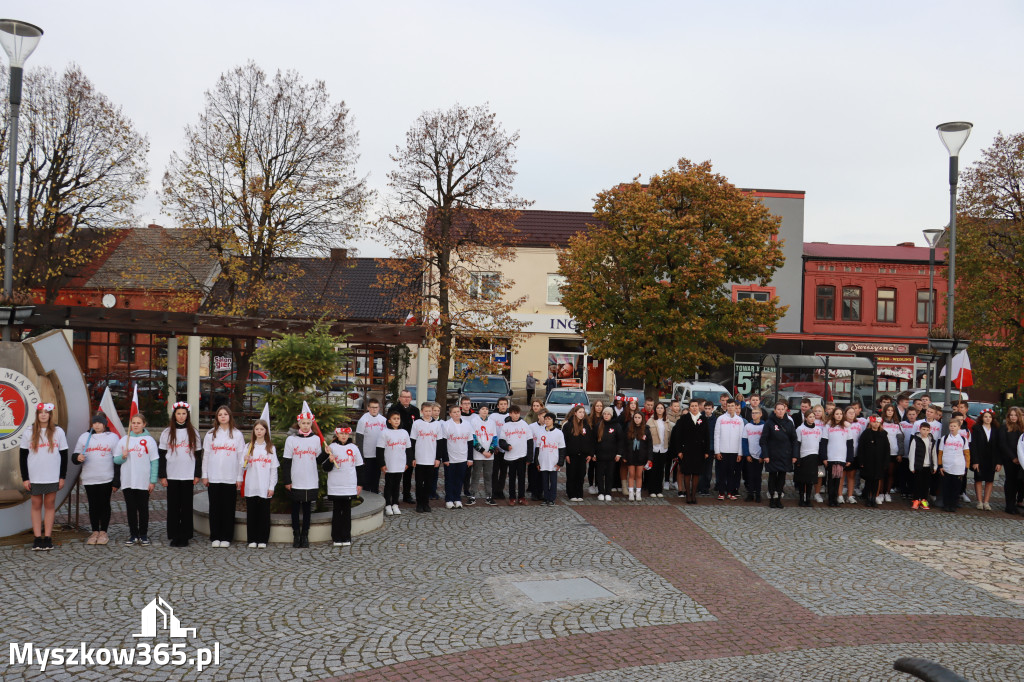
[
  {"x": 850, "y": 499},
  {"x": 879, "y": 499},
  {"x": 615, "y": 490},
  {"x": 251, "y": 545},
  {"x": 965, "y": 498},
  {"x": 888, "y": 497},
  {"x": 631, "y": 495},
  {"x": 225, "y": 543},
  {"x": 818, "y": 498},
  {"x": 449, "y": 505},
  {"x": 600, "y": 498},
  {"x": 666, "y": 486},
  {"x": 346, "y": 544},
  {"x": 458, "y": 505},
  {"x": 262, "y": 545},
  {"x": 387, "y": 510},
  {"x": 337, "y": 544},
  {"x": 592, "y": 490},
  {"x": 215, "y": 543},
  {"x": 981, "y": 505},
  {"x": 639, "y": 494},
  {"x": 396, "y": 510},
  {"x": 840, "y": 500}
]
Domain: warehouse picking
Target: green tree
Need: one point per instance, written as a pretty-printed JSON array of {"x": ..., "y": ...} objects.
[
  {"x": 649, "y": 282},
  {"x": 990, "y": 261},
  {"x": 303, "y": 366}
]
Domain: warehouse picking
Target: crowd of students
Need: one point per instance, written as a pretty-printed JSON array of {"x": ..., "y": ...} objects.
[{"x": 619, "y": 448}]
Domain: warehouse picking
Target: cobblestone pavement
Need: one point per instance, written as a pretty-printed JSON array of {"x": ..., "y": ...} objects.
[{"x": 722, "y": 591}]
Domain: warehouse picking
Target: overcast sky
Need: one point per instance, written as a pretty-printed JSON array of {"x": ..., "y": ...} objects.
[{"x": 839, "y": 99}]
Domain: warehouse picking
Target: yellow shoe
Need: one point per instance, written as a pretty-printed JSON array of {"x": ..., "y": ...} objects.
[{"x": 924, "y": 504}]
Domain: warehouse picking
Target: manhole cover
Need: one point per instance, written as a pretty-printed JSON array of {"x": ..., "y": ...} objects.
[{"x": 562, "y": 590}]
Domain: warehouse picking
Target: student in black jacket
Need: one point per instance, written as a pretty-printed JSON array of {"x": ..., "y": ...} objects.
[
  {"x": 873, "y": 453},
  {"x": 579, "y": 448},
  {"x": 986, "y": 456},
  {"x": 608, "y": 452},
  {"x": 779, "y": 451}
]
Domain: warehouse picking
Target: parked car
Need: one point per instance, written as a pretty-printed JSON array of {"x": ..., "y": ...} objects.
[
  {"x": 256, "y": 376},
  {"x": 975, "y": 407},
  {"x": 485, "y": 390},
  {"x": 705, "y": 390},
  {"x": 938, "y": 395},
  {"x": 345, "y": 390},
  {"x": 559, "y": 401}
]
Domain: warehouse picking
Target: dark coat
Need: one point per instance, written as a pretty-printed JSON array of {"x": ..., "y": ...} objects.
[
  {"x": 611, "y": 441},
  {"x": 986, "y": 452},
  {"x": 581, "y": 445},
  {"x": 873, "y": 454},
  {"x": 779, "y": 446},
  {"x": 690, "y": 442}
]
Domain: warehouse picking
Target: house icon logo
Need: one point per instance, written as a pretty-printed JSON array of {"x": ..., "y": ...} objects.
[{"x": 158, "y": 615}]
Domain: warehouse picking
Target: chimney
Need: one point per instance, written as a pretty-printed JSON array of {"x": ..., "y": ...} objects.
[
  {"x": 339, "y": 254},
  {"x": 154, "y": 226}
]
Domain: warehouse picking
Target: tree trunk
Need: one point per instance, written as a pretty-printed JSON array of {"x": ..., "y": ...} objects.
[{"x": 241, "y": 351}]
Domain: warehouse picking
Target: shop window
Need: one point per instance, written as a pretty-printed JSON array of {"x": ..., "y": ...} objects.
[
  {"x": 555, "y": 283},
  {"x": 922, "y": 306},
  {"x": 484, "y": 285},
  {"x": 886, "y": 305},
  {"x": 851, "y": 304},
  {"x": 126, "y": 347},
  {"x": 825, "y": 303}
]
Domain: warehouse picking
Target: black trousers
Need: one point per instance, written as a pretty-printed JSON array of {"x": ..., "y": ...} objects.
[
  {"x": 136, "y": 503},
  {"x": 98, "y": 495},
  {"x": 533, "y": 481},
  {"x": 922, "y": 479},
  {"x": 591, "y": 472},
  {"x": 368, "y": 475},
  {"x": 516, "y": 479},
  {"x": 726, "y": 474},
  {"x": 392, "y": 484},
  {"x": 498, "y": 472},
  {"x": 870, "y": 490},
  {"x": 341, "y": 520},
  {"x": 951, "y": 491},
  {"x": 606, "y": 471},
  {"x": 257, "y": 519},
  {"x": 753, "y": 470},
  {"x": 301, "y": 513},
  {"x": 776, "y": 482},
  {"x": 529, "y": 395},
  {"x": 575, "y": 471},
  {"x": 179, "y": 511},
  {"x": 424, "y": 473},
  {"x": 656, "y": 475},
  {"x": 222, "y": 511}
]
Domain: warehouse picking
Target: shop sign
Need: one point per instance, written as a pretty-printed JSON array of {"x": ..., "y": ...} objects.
[
  {"x": 871, "y": 347},
  {"x": 547, "y": 324},
  {"x": 895, "y": 359}
]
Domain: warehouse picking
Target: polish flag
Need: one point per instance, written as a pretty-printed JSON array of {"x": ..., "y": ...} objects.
[
  {"x": 410, "y": 319},
  {"x": 135, "y": 403},
  {"x": 962, "y": 377},
  {"x": 110, "y": 412}
]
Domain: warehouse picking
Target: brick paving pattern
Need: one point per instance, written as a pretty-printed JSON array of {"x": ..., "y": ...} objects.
[{"x": 713, "y": 591}]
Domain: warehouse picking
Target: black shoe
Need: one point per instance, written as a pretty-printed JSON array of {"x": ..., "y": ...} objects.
[
  {"x": 490, "y": 502},
  {"x": 407, "y": 499},
  {"x": 296, "y": 540},
  {"x": 757, "y": 497},
  {"x": 47, "y": 543},
  {"x": 304, "y": 541},
  {"x": 750, "y": 497},
  {"x": 499, "y": 496},
  {"x": 1013, "y": 511},
  {"x": 37, "y": 544},
  {"x": 778, "y": 502}
]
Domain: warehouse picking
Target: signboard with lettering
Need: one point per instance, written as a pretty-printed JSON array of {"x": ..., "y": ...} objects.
[
  {"x": 871, "y": 347},
  {"x": 746, "y": 377}
]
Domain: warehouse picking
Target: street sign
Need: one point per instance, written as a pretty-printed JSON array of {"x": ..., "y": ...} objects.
[{"x": 746, "y": 378}]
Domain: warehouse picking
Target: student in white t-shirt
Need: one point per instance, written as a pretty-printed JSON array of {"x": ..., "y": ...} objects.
[
  {"x": 515, "y": 438},
  {"x": 458, "y": 437},
  {"x": 391, "y": 449},
  {"x": 425, "y": 434},
  {"x": 137, "y": 454},
  {"x": 181, "y": 467},
  {"x": 223, "y": 452},
  {"x": 369, "y": 429},
  {"x": 259, "y": 478},
  {"x": 303, "y": 454},
  {"x": 550, "y": 458},
  {"x": 954, "y": 461},
  {"x": 44, "y": 466},
  {"x": 95, "y": 452},
  {"x": 342, "y": 465}
]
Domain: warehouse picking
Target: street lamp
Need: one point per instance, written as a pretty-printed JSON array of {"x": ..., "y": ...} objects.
[
  {"x": 19, "y": 39},
  {"x": 931, "y": 236},
  {"x": 953, "y": 136}
]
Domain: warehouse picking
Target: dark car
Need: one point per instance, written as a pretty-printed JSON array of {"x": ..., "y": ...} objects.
[{"x": 484, "y": 391}]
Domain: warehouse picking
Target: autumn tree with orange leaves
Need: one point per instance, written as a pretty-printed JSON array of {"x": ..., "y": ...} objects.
[
  {"x": 81, "y": 165},
  {"x": 450, "y": 219},
  {"x": 649, "y": 282},
  {"x": 267, "y": 172}
]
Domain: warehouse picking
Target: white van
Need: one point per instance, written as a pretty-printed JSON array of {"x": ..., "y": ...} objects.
[{"x": 701, "y": 390}]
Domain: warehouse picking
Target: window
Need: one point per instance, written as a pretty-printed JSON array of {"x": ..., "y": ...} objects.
[
  {"x": 825, "y": 303},
  {"x": 555, "y": 283},
  {"x": 759, "y": 296},
  {"x": 484, "y": 285},
  {"x": 886, "y": 305},
  {"x": 126, "y": 348},
  {"x": 851, "y": 304},
  {"x": 922, "y": 306}
]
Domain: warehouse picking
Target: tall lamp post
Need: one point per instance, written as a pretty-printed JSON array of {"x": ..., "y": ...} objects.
[
  {"x": 931, "y": 236},
  {"x": 19, "y": 39},
  {"x": 953, "y": 136}
]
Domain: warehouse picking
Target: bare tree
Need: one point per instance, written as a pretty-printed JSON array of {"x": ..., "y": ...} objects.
[
  {"x": 450, "y": 220},
  {"x": 81, "y": 164},
  {"x": 267, "y": 172}
]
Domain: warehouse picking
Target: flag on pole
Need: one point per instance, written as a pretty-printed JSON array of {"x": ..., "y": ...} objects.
[
  {"x": 135, "y": 403},
  {"x": 110, "y": 412},
  {"x": 265, "y": 416},
  {"x": 308, "y": 414},
  {"x": 962, "y": 377},
  {"x": 410, "y": 319}
]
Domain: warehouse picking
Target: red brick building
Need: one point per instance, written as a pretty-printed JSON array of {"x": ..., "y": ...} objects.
[{"x": 873, "y": 301}]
